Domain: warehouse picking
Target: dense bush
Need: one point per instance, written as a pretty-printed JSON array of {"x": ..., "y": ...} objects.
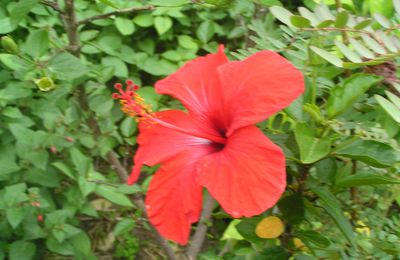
[{"x": 66, "y": 146}]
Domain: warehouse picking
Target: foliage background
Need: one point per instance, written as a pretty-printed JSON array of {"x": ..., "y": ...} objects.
[{"x": 65, "y": 144}]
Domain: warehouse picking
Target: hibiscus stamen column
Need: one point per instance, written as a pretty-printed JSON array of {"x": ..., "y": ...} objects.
[{"x": 133, "y": 105}]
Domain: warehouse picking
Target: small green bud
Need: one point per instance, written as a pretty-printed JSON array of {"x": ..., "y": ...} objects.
[
  {"x": 9, "y": 45},
  {"x": 314, "y": 112},
  {"x": 45, "y": 84}
]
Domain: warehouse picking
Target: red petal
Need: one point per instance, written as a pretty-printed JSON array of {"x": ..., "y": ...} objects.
[
  {"x": 197, "y": 86},
  {"x": 258, "y": 87},
  {"x": 248, "y": 176},
  {"x": 158, "y": 143},
  {"x": 174, "y": 197}
]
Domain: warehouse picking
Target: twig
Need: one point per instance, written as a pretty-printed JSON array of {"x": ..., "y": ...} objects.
[
  {"x": 53, "y": 5},
  {"x": 71, "y": 27},
  {"x": 197, "y": 240},
  {"x": 121, "y": 11}
]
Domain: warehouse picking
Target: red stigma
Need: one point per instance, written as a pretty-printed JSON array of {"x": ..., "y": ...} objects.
[
  {"x": 129, "y": 82},
  {"x": 118, "y": 86}
]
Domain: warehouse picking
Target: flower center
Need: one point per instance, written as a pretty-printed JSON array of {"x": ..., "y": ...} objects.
[{"x": 133, "y": 105}]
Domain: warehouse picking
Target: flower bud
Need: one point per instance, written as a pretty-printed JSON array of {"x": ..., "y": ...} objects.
[
  {"x": 45, "y": 84},
  {"x": 40, "y": 218},
  {"x": 9, "y": 45}
]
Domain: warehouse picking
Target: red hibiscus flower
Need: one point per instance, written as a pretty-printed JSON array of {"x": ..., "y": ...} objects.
[{"x": 216, "y": 144}]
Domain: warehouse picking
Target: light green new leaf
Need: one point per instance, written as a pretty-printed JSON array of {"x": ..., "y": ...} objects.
[
  {"x": 22, "y": 250},
  {"x": 124, "y": 26},
  {"x": 299, "y": 21},
  {"x": 345, "y": 94},
  {"x": 389, "y": 107},
  {"x": 341, "y": 19}
]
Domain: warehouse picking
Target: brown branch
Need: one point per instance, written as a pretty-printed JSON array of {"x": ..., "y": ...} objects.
[
  {"x": 53, "y": 5},
  {"x": 121, "y": 11},
  {"x": 197, "y": 240},
  {"x": 71, "y": 26}
]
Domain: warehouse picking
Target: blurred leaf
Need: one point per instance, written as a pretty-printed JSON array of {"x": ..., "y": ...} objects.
[
  {"x": 382, "y": 20},
  {"x": 313, "y": 237},
  {"x": 162, "y": 24},
  {"x": 332, "y": 207},
  {"x": 345, "y": 94},
  {"x": 309, "y": 15},
  {"x": 22, "y": 250},
  {"x": 371, "y": 152},
  {"x": 80, "y": 161},
  {"x": 372, "y": 44},
  {"x": 81, "y": 242},
  {"x": 362, "y": 24},
  {"x": 187, "y": 42},
  {"x": 20, "y": 10},
  {"x": 231, "y": 231},
  {"x": 124, "y": 25},
  {"x": 349, "y": 54},
  {"x": 274, "y": 253},
  {"x": 389, "y": 107},
  {"x": 205, "y": 31},
  {"x": 143, "y": 20},
  {"x": 67, "y": 67},
  {"x": 341, "y": 19},
  {"x": 124, "y": 226},
  {"x": 128, "y": 126},
  {"x": 327, "y": 56},
  {"x": 120, "y": 68},
  {"x": 171, "y": 3},
  {"x": 311, "y": 148},
  {"x": 281, "y": 14},
  {"x": 15, "y": 216},
  {"x": 113, "y": 195},
  {"x": 365, "y": 178},
  {"x": 109, "y": 3},
  {"x": 299, "y": 21},
  {"x": 361, "y": 49},
  {"x": 37, "y": 43},
  {"x": 292, "y": 208}
]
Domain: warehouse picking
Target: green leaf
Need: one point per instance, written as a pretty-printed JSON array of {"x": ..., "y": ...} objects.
[
  {"x": 8, "y": 160},
  {"x": 162, "y": 24},
  {"x": 22, "y": 250},
  {"x": 187, "y": 42},
  {"x": 327, "y": 56},
  {"x": 6, "y": 26},
  {"x": 128, "y": 126},
  {"x": 325, "y": 23},
  {"x": 124, "y": 226},
  {"x": 332, "y": 206},
  {"x": 37, "y": 43},
  {"x": 389, "y": 107},
  {"x": 67, "y": 67},
  {"x": 390, "y": 45},
  {"x": 109, "y": 3},
  {"x": 113, "y": 195},
  {"x": 299, "y": 21},
  {"x": 311, "y": 148},
  {"x": 395, "y": 99},
  {"x": 80, "y": 161},
  {"x": 144, "y": 20},
  {"x": 171, "y": 3},
  {"x": 361, "y": 49},
  {"x": 313, "y": 237},
  {"x": 345, "y": 94},
  {"x": 15, "y": 216},
  {"x": 120, "y": 68},
  {"x": 231, "y": 231},
  {"x": 382, "y": 20},
  {"x": 281, "y": 14},
  {"x": 362, "y": 24},
  {"x": 366, "y": 178},
  {"x": 396, "y": 5},
  {"x": 274, "y": 253},
  {"x": 81, "y": 242},
  {"x": 309, "y": 15},
  {"x": 341, "y": 19},
  {"x": 20, "y": 10},
  {"x": 205, "y": 31},
  {"x": 292, "y": 208},
  {"x": 125, "y": 26},
  {"x": 64, "y": 169},
  {"x": 372, "y": 44},
  {"x": 371, "y": 152},
  {"x": 349, "y": 54}
]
